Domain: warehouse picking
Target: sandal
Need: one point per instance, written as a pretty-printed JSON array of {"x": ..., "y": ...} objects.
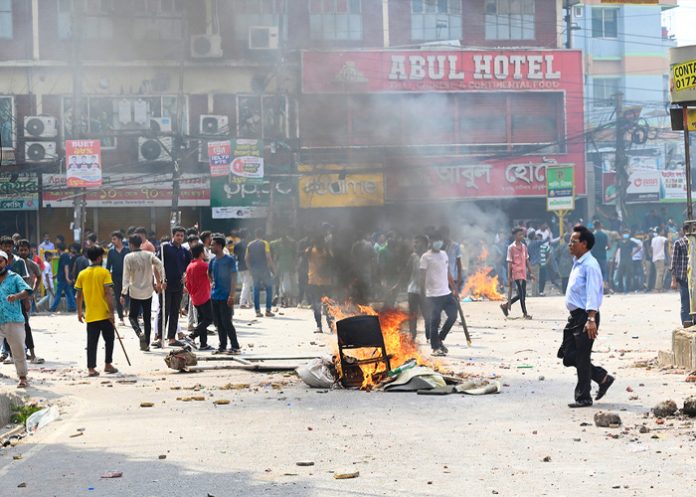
[
  {"x": 36, "y": 360},
  {"x": 110, "y": 370},
  {"x": 23, "y": 383},
  {"x": 93, "y": 374}
]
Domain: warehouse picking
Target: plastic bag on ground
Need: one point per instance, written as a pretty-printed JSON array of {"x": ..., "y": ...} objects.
[
  {"x": 414, "y": 379},
  {"x": 41, "y": 418},
  {"x": 319, "y": 373}
]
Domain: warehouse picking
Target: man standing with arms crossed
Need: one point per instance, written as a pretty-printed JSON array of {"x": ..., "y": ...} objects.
[
  {"x": 583, "y": 299},
  {"x": 222, "y": 271}
]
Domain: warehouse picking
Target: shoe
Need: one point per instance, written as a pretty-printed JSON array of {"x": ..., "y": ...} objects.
[
  {"x": 580, "y": 403},
  {"x": 219, "y": 351},
  {"x": 269, "y": 314},
  {"x": 318, "y": 330},
  {"x": 234, "y": 351},
  {"x": 527, "y": 316},
  {"x": 177, "y": 343},
  {"x": 205, "y": 348},
  {"x": 9, "y": 360},
  {"x": 444, "y": 349},
  {"x": 110, "y": 370},
  {"x": 438, "y": 353},
  {"x": 157, "y": 344},
  {"x": 258, "y": 314},
  {"x": 603, "y": 387},
  {"x": 504, "y": 308}
]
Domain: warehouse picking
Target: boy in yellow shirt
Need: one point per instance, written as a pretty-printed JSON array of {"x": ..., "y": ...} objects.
[{"x": 95, "y": 288}]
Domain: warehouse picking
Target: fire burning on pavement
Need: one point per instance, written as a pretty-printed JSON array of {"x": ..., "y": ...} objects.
[
  {"x": 481, "y": 285},
  {"x": 400, "y": 346}
]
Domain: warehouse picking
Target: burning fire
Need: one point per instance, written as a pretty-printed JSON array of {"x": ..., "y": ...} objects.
[
  {"x": 481, "y": 284},
  {"x": 400, "y": 346}
]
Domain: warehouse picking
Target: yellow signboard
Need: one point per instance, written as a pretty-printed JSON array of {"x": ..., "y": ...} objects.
[
  {"x": 341, "y": 190},
  {"x": 684, "y": 76}
]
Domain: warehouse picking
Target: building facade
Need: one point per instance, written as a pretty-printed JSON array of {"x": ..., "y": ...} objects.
[{"x": 350, "y": 103}]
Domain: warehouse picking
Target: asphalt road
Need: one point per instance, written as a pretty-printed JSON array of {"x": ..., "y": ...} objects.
[{"x": 401, "y": 444}]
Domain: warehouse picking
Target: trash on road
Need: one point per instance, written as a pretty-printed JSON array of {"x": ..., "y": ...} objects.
[
  {"x": 607, "y": 420},
  {"x": 42, "y": 418},
  {"x": 690, "y": 406},
  {"x": 664, "y": 409},
  {"x": 346, "y": 476},
  {"x": 319, "y": 373},
  {"x": 147, "y": 404},
  {"x": 112, "y": 474}
]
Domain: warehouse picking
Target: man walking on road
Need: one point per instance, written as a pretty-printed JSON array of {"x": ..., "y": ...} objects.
[
  {"x": 95, "y": 289},
  {"x": 114, "y": 263},
  {"x": 13, "y": 290},
  {"x": 223, "y": 273},
  {"x": 175, "y": 259},
  {"x": 436, "y": 285},
  {"x": 518, "y": 266},
  {"x": 198, "y": 288},
  {"x": 680, "y": 265},
  {"x": 244, "y": 275},
  {"x": 137, "y": 285},
  {"x": 63, "y": 281},
  {"x": 260, "y": 263},
  {"x": 657, "y": 246},
  {"x": 583, "y": 299}
]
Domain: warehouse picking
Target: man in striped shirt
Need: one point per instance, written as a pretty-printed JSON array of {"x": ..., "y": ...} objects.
[{"x": 679, "y": 269}]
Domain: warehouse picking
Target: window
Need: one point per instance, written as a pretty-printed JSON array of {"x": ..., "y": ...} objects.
[
  {"x": 6, "y": 31},
  {"x": 158, "y": 19},
  {"x": 262, "y": 117},
  {"x": 7, "y": 123},
  {"x": 604, "y": 23},
  {"x": 335, "y": 20},
  {"x": 94, "y": 20},
  {"x": 249, "y": 13},
  {"x": 509, "y": 20},
  {"x": 111, "y": 115},
  {"x": 604, "y": 90},
  {"x": 436, "y": 20}
]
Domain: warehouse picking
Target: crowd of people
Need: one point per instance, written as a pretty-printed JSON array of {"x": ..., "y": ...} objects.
[{"x": 137, "y": 277}]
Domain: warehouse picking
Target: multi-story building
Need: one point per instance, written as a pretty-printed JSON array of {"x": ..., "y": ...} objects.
[
  {"x": 625, "y": 51},
  {"x": 375, "y": 104}
]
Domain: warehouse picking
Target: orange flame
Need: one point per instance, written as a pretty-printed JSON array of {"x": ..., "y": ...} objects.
[
  {"x": 481, "y": 285},
  {"x": 400, "y": 346}
]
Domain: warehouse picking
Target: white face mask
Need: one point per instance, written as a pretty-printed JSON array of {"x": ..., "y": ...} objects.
[{"x": 437, "y": 244}]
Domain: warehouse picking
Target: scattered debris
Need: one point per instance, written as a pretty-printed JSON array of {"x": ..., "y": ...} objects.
[
  {"x": 112, "y": 474},
  {"x": 607, "y": 420},
  {"x": 41, "y": 418},
  {"x": 221, "y": 402},
  {"x": 305, "y": 463},
  {"x": 690, "y": 406},
  {"x": 235, "y": 386},
  {"x": 22, "y": 485},
  {"x": 664, "y": 409},
  {"x": 644, "y": 429},
  {"x": 547, "y": 459},
  {"x": 18, "y": 457},
  {"x": 346, "y": 476},
  {"x": 75, "y": 435},
  {"x": 162, "y": 456},
  {"x": 147, "y": 404}
]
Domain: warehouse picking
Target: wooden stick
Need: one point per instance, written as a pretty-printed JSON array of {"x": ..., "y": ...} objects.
[{"x": 120, "y": 340}]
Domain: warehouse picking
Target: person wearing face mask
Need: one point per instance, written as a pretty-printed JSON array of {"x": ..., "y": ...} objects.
[
  {"x": 436, "y": 283},
  {"x": 518, "y": 268}
]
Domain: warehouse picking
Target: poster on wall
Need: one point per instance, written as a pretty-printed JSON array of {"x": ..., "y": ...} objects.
[
  {"x": 247, "y": 161},
  {"x": 220, "y": 158},
  {"x": 643, "y": 186},
  {"x": 83, "y": 163}
]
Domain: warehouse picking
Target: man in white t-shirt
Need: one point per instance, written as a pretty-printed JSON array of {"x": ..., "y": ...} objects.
[
  {"x": 436, "y": 284},
  {"x": 658, "y": 257}
]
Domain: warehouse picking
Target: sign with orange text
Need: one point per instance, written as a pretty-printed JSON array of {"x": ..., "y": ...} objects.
[{"x": 83, "y": 163}]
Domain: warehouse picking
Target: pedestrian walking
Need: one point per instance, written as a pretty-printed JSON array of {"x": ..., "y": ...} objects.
[
  {"x": 198, "y": 287},
  {"x": 599, "y": 250},
  {"x": 319, "y": 279},
  {"x": 137, "y": 286},
  {"x": 284, "y": 251},
  {"x": 583, "y": 299},
  {"x": 657, "y": 247},
  {"x": 114, "y": 263},
  {"x": 240, "y": 249},
  {"x": 95, "y": 290},
  {"x": 260, "y": 263},
  {"x": 416, "y": 302},
  {"x": 13, "y": 291},
  {"x": 34, "y": 281},
  {"x": 175, "y": 259},
  {"x": 64, "y": 282},
  {"x": 223, "y": 273},
  {"x": 679, "y": 269},
  {"x": 436, "y": 288},
  {"x": 47, "y": 279},
  {"x": 518, "y": 269}
]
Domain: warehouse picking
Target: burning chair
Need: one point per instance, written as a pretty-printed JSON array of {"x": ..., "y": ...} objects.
[{"x": 360, "y": 332}]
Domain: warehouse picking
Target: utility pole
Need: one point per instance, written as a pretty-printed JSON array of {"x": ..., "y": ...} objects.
[
  {"x": 620, "y": 160},
  {"x": 177, "y": 142},
  {"x": 568, "y": 24},
  {"x": 80, "y": 201}
]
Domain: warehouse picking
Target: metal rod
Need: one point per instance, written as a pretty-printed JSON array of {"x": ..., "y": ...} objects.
[{"x": 687, "y": 162}]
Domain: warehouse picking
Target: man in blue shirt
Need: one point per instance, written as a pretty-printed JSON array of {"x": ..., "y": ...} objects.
[
  {"x": 64, "y": 282},
  {"x": 583, "y": 299},
  {"x": 223, "y": 273}
]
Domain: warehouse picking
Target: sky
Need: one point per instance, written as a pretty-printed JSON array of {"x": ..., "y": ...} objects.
[{"x": 682, "y": 22}]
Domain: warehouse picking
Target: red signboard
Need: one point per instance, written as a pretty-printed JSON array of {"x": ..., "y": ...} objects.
[
  {"x": 495, "y": 179},
  {"x": 443, "y": 70}
]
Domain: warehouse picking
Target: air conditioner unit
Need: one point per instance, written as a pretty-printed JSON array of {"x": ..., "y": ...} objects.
[
  {"x": 161, "y": 125},
  {"x": 578, "y": 10},
  {"x": 212, "y": 125},
  {"x": 206, "y": 46},
  {"x": 263, "y": 37},
  {"x": 152, "y": 150},
  {"x": 40, "y": 127},
  {"x": 38, "y": 152}
]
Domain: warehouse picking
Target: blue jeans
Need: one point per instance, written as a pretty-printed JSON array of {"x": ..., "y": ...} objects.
[
  {"x": 684, "y": 295},
  {"x": 435, "y": 306},
  {"x": 64, "y": 287},
  {"x": 263, "y": 284}
]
